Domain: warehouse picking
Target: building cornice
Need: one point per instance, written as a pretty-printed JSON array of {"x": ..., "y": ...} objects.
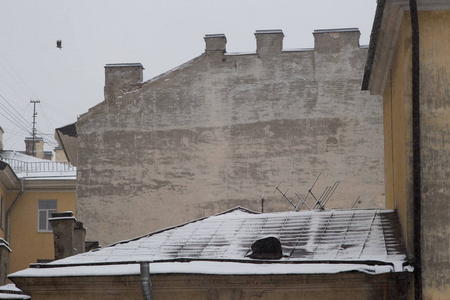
[
  {"x": 52, "y": 185},
  {"x": 423, "y": 4}
]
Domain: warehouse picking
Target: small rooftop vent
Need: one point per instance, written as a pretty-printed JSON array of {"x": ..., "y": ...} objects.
[{"x": 266, "y": 248}]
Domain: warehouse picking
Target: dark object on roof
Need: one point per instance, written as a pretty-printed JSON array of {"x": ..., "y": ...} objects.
[
  {"x": 59, "y": 44},
  {"x": 91, "y": 245},
  {"x": 267, "y": 248}
]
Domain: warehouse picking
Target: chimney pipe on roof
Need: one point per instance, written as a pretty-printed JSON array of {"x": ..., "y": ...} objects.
[
  {"x": 68, "y": 234},
  {"x": 215, "y": 44},
  {"x": 4, "y": 261},
  {"x": 269, "y": 41},
  {"x": 119, "y": 77},
  {"x": 34, "y": 147}
]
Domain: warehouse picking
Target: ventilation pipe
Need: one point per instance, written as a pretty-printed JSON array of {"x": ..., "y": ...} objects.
[
  {"x": 145, "y": 281},
  {"x": 10, "y": 209},
  {"x": 266, "y": 248}
]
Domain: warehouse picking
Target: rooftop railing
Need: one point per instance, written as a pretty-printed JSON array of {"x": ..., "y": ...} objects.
[{"x": 37, "y": 167}]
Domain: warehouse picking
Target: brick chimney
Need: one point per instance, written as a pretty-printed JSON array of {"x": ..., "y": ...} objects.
[
  {"x": 119, "y": 77},
  {"x": 333, "y": 40},
  {"x": 38, "y": 147},
  {"x": 215, "y": 44},
  {"x": 60, "y": 155},
  {"x": 269, "y": 41},
  {"x": 68, "y": 234}
]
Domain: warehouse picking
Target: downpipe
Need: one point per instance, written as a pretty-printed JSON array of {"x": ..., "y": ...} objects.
[
  {"x": 416, "y": 149},
  {"x": 10, "y": 209},
  {"x": 145, "y": 281}
]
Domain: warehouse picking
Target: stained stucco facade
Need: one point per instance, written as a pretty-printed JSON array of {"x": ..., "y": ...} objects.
[
  {"x": 224, "y": 129},
  {"x": 214, "y": 287},
  {"x": 391, "y": 77}
]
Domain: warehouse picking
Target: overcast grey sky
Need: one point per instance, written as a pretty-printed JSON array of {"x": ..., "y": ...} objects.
[{"x": 160, "y": 34}]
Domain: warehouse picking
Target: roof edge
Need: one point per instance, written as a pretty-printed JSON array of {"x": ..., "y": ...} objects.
[
  {"x": 373, "y": 44},
  {"x": 243, "y": 260}
]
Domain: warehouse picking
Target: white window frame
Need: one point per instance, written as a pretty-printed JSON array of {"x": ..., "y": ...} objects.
[{"x": 44, "y": 211}]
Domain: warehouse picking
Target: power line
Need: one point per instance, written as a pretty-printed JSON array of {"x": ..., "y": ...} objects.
[
  {"x": 16, "y": 125},
  {"x": 18, "y": 114},
  {"x": 57, "y": 110},
  {"x": 19, "y": 96},
  {"x": 18, "y": 76},
  {"x": 16, "y": 118},
  {"x": 46, "y": 119},
  {"x": 14, "y": 121}
]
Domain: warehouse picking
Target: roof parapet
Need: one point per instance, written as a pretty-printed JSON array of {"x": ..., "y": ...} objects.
[
  {"x": 269, "y": 41},
  {"x": 331, "y": 40}
]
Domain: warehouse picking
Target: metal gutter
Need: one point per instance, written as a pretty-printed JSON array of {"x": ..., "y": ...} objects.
[{"x": 248, "y": 261}]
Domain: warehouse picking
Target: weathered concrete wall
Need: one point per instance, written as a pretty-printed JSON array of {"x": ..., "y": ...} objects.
[
  {"x": 214, "y": 287},
  {"x": 435, "y": 136},
  {"x": 224, "y": 129}
]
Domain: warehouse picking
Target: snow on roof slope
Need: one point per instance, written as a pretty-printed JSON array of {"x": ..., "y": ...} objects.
[
  {"x": 339, "y": 238},
  {"x": 26, "y": 166}
]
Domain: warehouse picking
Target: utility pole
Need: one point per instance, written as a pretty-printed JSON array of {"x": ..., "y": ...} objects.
[{"x": 33, "y": 132}]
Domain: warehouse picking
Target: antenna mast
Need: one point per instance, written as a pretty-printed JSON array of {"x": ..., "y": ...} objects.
[{"x": 33, "y": 132}]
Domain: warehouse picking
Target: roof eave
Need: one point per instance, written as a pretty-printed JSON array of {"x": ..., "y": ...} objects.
[
  {"x": 67, "y": 139},
  {"x": 8, "y": 178},
  {"x": 386, "y": 26},
  {"x": 383, "y": 39}
]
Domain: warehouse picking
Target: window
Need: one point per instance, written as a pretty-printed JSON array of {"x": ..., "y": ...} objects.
[
  {"x": 45, "y": 210},
  {"x": 2, "y": 214}
]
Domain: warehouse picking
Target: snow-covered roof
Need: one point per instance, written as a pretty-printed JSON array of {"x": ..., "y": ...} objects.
[
  {"x": 27, "y": 166},
  {"x": 10, "y": 291},
  {"x": 312, "y": 241}
]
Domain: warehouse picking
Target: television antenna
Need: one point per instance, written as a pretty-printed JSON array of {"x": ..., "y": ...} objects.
[{"x": 317, "y": 203}]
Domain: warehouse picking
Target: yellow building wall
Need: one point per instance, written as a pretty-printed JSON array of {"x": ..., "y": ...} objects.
[
  {"x": 27, "y": 244},
  {"x": 435, "y": 145},
  {"x": 398, "y": 132}
]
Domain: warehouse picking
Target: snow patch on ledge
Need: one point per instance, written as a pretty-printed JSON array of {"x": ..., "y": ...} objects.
[{"x": 204, "y": 267}]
